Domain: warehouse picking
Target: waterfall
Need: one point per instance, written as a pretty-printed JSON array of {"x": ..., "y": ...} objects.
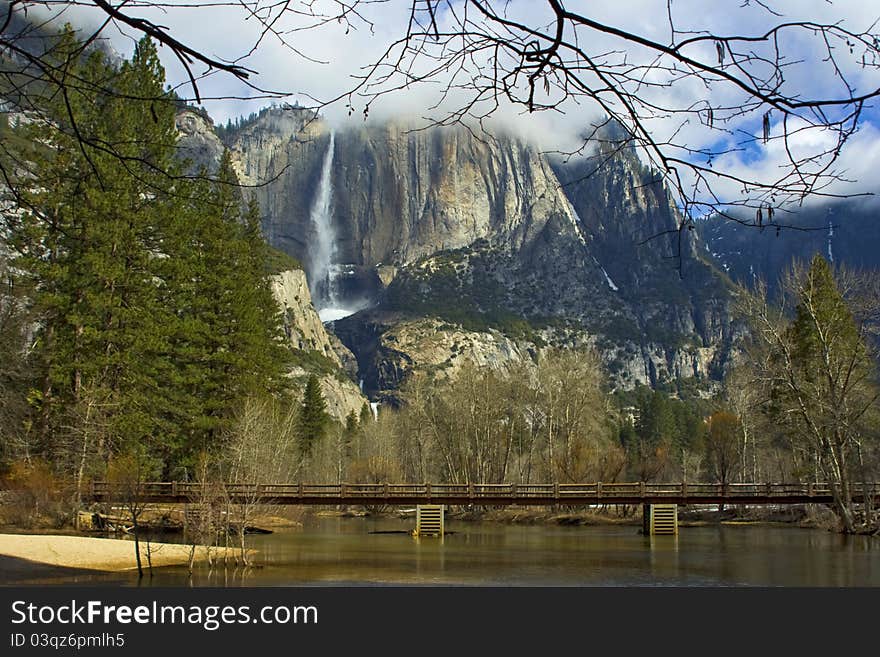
[
  {"x": 830, "y": 235},
  {"x": 323, "y": 250},
  {"x": 324, "y": 270}
]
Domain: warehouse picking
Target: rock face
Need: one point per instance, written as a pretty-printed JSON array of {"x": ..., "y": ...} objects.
[
  {"x": 391, "y": 347},
  {"x": 844, "y": 232},
  {"x": 405, "y": 195},
  {"x": 308, "y": 336},
  {"x": 301, "y": 322},
  {"x": 399, "y": 195},
  {"x": 342, "y": 397},
  {"x": 488, "y": 236},
  {"x": 196, "y": 140},
  {"x": 673, "y": 304}
]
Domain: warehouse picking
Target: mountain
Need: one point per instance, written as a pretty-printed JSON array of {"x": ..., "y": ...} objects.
[
  {"x": 846, "y": 232},
  {"x": 454, "y": 246}
]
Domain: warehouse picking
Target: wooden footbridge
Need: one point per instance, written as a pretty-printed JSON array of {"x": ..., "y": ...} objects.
[{"x": 479, "y": 494}]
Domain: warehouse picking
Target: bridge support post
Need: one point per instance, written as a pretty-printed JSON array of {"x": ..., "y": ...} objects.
[
  {"x": 660, "y": 519},
  {"x": 430, "y": 520}
]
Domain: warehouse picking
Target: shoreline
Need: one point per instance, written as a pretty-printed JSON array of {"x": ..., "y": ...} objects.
[
  {"x": 795, "y": 517},
  {"x": 88, "y": 554},
  {"x": 35, "y": 553},
  {"x": 40, "y": 557}
]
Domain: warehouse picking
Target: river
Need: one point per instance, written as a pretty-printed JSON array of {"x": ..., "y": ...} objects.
[{"x": 349, "y": 551}]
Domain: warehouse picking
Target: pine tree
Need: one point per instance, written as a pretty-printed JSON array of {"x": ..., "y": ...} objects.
[
  {"x": 229, "y": 340},
  {"x": 366, "y": 415},
  {"x": 157, "y": 318},
  {"x": 351, "y": 423},
  {"x": 656, "y": 424},
  {"x": 650, "y": 441},
  {"x": 824, "y": 331},
  {"x": 87, "y": 240},
  {"x": 817, "y": 372},
  {"x": 261, "y": 329},
  {"x": 313, "y": 417},
  {"x": 350, "y": 433}
]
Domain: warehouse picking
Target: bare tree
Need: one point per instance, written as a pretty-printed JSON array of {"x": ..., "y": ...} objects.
[
  {"x": 86, "y": 430},
  {"x": 485, "y": 53},
  {"x": 548, "y": 421},
  {"x": 261, "y": 450},
  {"x": 737, "y": 90},
  {"x": 723, "y": 438},
  {"x": 743, "y": 399},
  {"x": 819, "y": 379},
  {"x": 202, "y": 520},
  {"x": 574, "y": 414},
  {"x": 127, "y": 473},
  {"x": 378, "y": 457}
]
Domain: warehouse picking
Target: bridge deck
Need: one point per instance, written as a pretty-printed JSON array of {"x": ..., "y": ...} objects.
[{"x": 481, "y": 494}]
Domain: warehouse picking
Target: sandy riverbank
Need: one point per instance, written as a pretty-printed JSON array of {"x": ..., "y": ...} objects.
[{"x": 101, "y": 554}]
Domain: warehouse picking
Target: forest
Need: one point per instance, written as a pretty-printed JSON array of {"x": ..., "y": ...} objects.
[{"x": 139, "y": 338}]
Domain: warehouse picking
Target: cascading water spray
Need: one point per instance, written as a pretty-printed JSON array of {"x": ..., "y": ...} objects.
[
  {"x": 324, "y": 271},
  {"x": 323, "y": 250}
]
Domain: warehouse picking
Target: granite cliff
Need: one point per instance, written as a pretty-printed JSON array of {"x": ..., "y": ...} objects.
[
  {"x": 481, "y": 247},
  {"x": 315, "y": 350}
]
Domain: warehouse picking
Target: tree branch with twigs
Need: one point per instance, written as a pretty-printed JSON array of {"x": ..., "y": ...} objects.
[
  {"x": 692, "y": 98},
  {"x": 735, "y": 92}
]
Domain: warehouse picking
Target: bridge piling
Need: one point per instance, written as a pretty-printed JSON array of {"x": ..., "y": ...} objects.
[
  {"x": 430, "y": 520},
  {"x": 660, "y": 519}
]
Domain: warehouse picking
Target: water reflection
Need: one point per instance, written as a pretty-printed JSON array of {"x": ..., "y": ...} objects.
[
  {"x": 338, "y": 551},
  {"x": 664, "y": 562}
]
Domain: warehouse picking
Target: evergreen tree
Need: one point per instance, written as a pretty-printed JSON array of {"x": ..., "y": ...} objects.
[
  {"x": 87, "y": 239},
  {"x": 656, "y": 423},
  {"x": 156, "y": 313},
  {"x": 824, "y": 331},
  {"x": 653, "y": 432},
  {"x": 825, "y": 383},
  {"x": 313, "y": 417},
  {"x": 817, "y": 372},
  {"x": 263, "y": 342},
  {"x": 351, "y": 432},
  {"x": 229, "y": 340},
  {"x": 366, "y": 415},
  {"x": 351, "y": 423},
  {"x": 627, "y": 435}
]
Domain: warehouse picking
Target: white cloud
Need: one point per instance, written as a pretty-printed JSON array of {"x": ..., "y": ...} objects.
[
  {"x": 858, "y": 166},
  {"x": 225, "y": 33}
]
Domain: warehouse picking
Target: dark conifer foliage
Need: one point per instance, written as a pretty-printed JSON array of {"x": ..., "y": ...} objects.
[
  {"x": 313, "y": 418},
  {"x": 154, "y": 310}
]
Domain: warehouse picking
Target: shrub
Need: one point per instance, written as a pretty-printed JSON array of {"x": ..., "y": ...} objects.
[{"x": 35, "y": 496}]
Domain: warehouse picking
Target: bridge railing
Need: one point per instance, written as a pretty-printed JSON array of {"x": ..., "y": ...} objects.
[
  {"x": 535, "y": 490},
  {"x": 473, "y": 491}
]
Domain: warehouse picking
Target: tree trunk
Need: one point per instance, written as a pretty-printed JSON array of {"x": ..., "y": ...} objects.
[
  {"x": 137, "y": 545},
  {"x": 241, "y": 539}
]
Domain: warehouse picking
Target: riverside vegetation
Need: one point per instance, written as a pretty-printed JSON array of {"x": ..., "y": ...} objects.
[{"x": 140, "y": 341}]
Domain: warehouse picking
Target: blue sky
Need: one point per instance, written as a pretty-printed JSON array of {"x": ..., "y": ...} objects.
[{"x": 320, "y": 63}]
